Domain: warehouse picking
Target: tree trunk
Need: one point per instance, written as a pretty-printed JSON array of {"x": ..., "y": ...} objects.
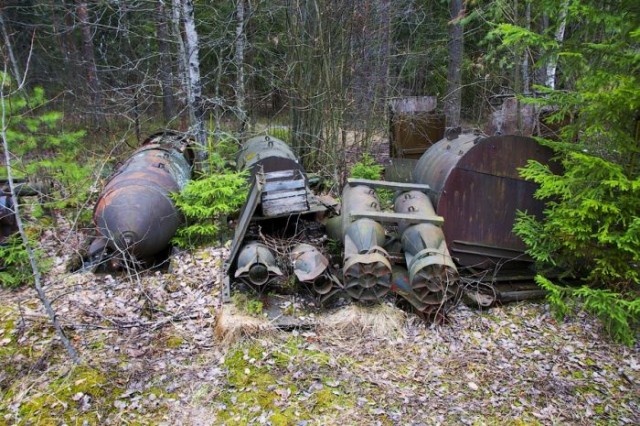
[
  {"x": 89, "y": 61},
  {"x": 453, "y": 99},
  {"x": 239, "y": 62},
  {"x": 552, "y": 65},
  {"x": 15, "y": 67},
  {"x": 526, "y": 72},
  {"x": 166, "y": 81},
  {"x": 196, "y": 107}
]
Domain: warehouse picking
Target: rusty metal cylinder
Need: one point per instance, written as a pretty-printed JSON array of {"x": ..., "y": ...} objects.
[
  {"x": 257, "y": 264},
  {"x": 433, "y": 276},
  {"x": 477, "y": 189},
  {"x": 367, "y": 269},
  {"x": 135, "y": 212},
  {"x": 268, "y": 153},
  {"x": 310, "y": 266}
]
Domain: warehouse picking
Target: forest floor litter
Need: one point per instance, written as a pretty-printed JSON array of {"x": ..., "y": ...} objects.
[{"x": 151, "y": 356}]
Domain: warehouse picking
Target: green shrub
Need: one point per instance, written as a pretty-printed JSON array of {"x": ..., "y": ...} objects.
[
  {"x": 15, "y": 269},
  {"x": 590, "y": 232},
  {"x": 207, "y": 201},
  {"x": 367, "y": 168}
]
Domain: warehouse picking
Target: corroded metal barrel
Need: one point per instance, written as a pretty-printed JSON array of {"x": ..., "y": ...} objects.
[
  {"x": 477, "y": 188},
  {"x": 367, "y": 269},
  {"x": 135, "y": 213},
  {"x": 432, "y": 274},
  {"x": 269, "y": 153}
]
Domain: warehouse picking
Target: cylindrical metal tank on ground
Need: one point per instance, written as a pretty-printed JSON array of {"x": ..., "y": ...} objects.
[
  {"x": 477, "y": 188},
  {"x": 135, "y": 212},
  {"x": 270, "y": 153}
]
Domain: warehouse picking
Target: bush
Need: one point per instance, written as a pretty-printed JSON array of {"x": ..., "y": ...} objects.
[
  {"x": 207, "y": 201},
  {"x": 590, "y": 232}
]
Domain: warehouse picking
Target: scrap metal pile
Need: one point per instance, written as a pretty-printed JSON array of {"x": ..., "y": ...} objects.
[
  {"x": 458, "y": 213},
  {"x": 446, "y": 233}
]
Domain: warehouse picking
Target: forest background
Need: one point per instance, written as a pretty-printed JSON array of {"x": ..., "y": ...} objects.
[{"x": 85, "y": 81}]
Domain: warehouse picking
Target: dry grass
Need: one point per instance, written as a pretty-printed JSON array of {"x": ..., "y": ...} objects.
[
  {"x": 231, "y": 325},
  {"x": 380, "y": 321}
]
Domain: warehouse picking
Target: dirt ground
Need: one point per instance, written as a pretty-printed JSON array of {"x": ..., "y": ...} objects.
[{"x": 150, "y": 355}]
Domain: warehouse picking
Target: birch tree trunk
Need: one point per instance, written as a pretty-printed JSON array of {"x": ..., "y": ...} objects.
[
  {"x": 162, "y": 31},
  {"x": 552, "y": 65},
  {"x": 453, "y": 100},
  {"x": 196, "y": 107},
  {"x": 239, "y": 62},
  {"x": 176, "y": 28}
]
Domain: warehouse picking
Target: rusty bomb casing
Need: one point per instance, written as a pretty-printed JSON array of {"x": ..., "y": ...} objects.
[
  {"x": 310, "y": 266},
  {"x": 476, "y": 187},
  {"x": 367, "y": 269},
  {"x": 432, "y": 273},
  {"x": 135, "y": 213},
  {"x": 268, "y": 153},
  {"x": 257, "y": 264}
]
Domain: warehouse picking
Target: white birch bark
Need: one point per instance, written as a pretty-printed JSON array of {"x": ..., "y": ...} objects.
[
  {"x": 239, "y": 61},
  {"x": 176, "y": 15},
  {"x": 196, "y": 110},
  {"x": 17, "y": 74},
  {"x": 552, "y": 65}
]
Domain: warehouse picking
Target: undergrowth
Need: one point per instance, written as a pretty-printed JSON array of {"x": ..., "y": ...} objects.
[{"x": 206, "y": 202}]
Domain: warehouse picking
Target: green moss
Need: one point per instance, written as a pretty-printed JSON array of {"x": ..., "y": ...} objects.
[
  {"x": 261, "y": 378},
  {"x": 60, "y": 400},
  {"x": 174, "y": 342},
  {"x": 245, "y": 304}
]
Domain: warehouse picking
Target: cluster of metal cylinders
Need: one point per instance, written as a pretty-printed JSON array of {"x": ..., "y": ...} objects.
[
  {"x": 432, "y": 275},
  {"x": 283, "y": 192},
  {"x": 429, "y": 280},
  {"x": 257, "y": 265}
]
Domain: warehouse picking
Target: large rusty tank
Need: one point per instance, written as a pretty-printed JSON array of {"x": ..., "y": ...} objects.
[
  {"x": 135, "y": 213},
  {"x": 477, "y": 188}
]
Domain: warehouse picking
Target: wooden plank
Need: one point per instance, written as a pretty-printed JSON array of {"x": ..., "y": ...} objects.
[
  {"x": 396, "y": 217},
  {"x": 284, "y": 194},
  {"x": 284, "y": 208},
  {"x": 283, "y": 184},
  {"x": 396, "y": 186},
  {"x": 282, "y": 174}
]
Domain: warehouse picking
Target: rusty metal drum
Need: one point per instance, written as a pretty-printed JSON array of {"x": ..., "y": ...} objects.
[
  {"x": 477, "y": 188},
  {"x": 135, "y": 212}
]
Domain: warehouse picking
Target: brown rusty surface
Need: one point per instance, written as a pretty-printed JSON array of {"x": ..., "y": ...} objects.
[
  {"x": 413, "y": 134},
  {"x": 477, "y": 189},
  {"x": 269, "y": 153},
  {"x": 135, "y": 211}
]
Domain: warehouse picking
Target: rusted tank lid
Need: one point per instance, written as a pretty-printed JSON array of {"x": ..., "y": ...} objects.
[{"x": 477, "y": 189}]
